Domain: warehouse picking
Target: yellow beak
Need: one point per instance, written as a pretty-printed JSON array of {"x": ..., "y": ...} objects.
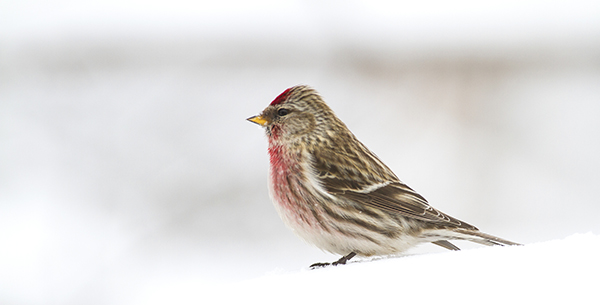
[{"x": 258, "y": 120}]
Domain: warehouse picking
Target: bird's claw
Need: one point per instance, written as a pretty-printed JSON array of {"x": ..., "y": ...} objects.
[
  {"x": 320, "y": 265},
  {"x": 341, "y": 261}
]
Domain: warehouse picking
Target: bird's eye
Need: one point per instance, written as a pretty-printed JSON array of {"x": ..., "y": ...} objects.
[{"x": 282, "y": 112}]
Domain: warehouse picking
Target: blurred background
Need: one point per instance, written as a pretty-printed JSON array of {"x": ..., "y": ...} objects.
[{"x": 126, "y": 163}]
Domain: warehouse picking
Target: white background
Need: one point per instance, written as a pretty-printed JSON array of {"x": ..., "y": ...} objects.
[{"x": 126, "y": 161}]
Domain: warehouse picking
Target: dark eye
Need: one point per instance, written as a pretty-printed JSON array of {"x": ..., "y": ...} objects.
[{"x": 282, "y": 112}]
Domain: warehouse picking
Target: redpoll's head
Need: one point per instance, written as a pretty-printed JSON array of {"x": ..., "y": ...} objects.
[{"x": 298, "y": 113}]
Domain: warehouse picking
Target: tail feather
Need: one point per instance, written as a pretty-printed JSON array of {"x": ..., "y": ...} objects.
[
  {"x": 483, "y": 238},
  {"x": 446, "y": 244}
]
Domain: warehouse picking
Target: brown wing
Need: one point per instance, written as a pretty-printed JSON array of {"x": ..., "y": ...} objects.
[
  {"x": 356, "y": 174},
  {"x": 396, "y": 197}
]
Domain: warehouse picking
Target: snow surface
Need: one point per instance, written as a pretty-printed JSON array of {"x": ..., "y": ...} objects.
[{"x": 556, "y": 272}]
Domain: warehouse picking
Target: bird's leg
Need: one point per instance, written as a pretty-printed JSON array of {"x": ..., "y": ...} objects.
[
  {"x": 344, "y": 259},
  {"x": 341, "y": 261}
]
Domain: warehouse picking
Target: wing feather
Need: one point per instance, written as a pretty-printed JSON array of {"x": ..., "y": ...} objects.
[
  {"x": 358, "y": 175},
  {"x": 397, "y": 197}
]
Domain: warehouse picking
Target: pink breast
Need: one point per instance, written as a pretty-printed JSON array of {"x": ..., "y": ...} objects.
[{"x": 288, "y": 190}]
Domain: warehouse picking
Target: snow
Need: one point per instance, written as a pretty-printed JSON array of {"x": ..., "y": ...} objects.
[{"x": 559, "y": 272}]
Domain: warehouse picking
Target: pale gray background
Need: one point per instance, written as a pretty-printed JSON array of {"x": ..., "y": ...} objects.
[{"x": 126, "y": 161}]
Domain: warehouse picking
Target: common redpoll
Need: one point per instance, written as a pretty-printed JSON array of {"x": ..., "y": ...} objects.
[{"x": 336, "y": 194}]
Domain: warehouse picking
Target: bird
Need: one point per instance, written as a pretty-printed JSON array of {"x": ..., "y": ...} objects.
[{"x": 337, "y": 195}]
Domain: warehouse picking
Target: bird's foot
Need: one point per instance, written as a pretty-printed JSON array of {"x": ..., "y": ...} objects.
[
  {"x": 319, "y": 265},
  {"x": 341, "y": 261}
]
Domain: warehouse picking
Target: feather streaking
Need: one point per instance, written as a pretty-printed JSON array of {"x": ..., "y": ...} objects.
[{"x": 336, "y": 194}]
